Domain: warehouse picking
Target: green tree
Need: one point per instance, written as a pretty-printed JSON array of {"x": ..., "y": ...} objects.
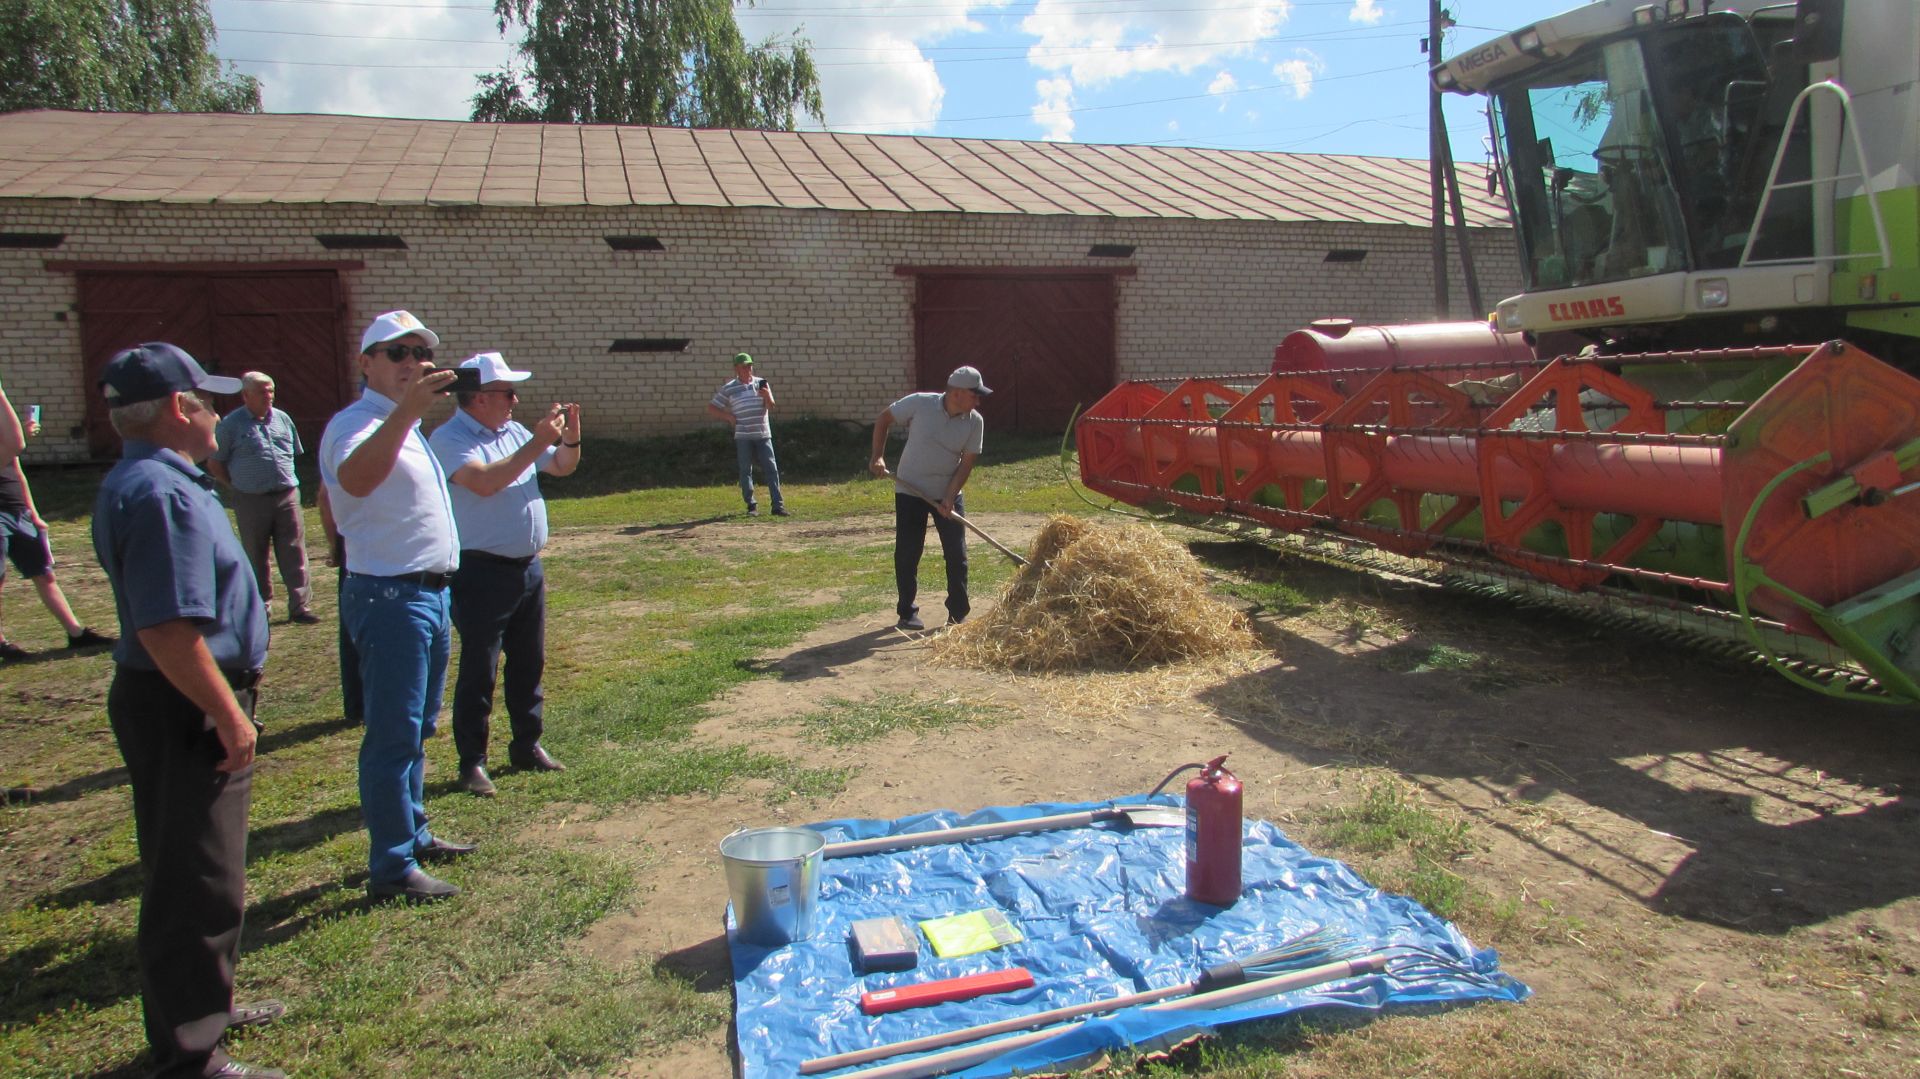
[
  {"x": 681, "y": 63},
  {"x": 116, "y": 55}
]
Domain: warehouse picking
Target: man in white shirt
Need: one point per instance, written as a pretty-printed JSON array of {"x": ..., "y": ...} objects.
[{"x": 389, "y": 500}]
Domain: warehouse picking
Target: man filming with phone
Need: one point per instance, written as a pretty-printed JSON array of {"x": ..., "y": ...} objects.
[
  {"x": 500, "y": 589},
  {"x": 389, "y": 500}
]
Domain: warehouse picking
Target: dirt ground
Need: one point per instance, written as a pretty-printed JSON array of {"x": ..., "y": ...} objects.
[{"x": 1677, "y": 845}]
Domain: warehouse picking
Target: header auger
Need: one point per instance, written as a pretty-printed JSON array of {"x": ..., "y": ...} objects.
[{"x": 1774, "y": 489}]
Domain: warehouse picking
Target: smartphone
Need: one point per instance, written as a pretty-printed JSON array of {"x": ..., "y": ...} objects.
[
  {"x": 767, "y": 382},
  {"x": 33, "y": 413},
  {"x": 465, "y": 380}
]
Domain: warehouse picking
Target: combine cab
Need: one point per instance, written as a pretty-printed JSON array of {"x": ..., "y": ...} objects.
[{"x": 1697, "y": 194}]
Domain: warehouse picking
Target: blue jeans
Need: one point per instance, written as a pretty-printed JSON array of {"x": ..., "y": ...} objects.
[
  {"x": 498, "y": 606},
  {"x": 402, "y": 634},
  {"x": 751, "y": 451}
]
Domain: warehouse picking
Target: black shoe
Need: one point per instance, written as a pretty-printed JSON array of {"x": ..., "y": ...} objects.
[
  {"x": 956, "y": 619},
  {"x": 10, "y": 651},
  {"x": 256, "y": 1014},
  {"x": 233, "y": 1069},
  {"x": 753, "y": 511},
  {"x": 439, "y": 850},
  {"x": 305, "y": 618},
  {"x": 473, "y": 780},
  {"x": 416, "y": 887},
  {"x": 781, "y": 511},
  {"x": 87, "y": 638},
  {"x": 533, "y": 760},
  {"x": 911, "y": 622}
]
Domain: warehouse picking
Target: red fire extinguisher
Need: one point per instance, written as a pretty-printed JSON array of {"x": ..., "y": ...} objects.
[{"x": 1213, "y": 835}]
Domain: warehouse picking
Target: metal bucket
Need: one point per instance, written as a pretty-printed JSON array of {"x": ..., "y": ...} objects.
[{"x": 773, "y": 877}]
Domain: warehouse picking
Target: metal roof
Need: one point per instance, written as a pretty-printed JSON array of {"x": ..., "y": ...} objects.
[{"x": 284, "y": 158}]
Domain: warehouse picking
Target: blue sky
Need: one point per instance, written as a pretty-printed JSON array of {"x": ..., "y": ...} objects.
[{"x": 1325, "y": 76}]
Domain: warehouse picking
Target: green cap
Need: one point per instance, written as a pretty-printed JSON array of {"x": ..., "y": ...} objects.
[{"x": 741, "y": 357}]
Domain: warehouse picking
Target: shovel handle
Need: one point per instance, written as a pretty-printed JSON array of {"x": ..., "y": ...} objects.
[
  {"x": 960, "y": 835},
  {"x": 1018, "y": 559}
]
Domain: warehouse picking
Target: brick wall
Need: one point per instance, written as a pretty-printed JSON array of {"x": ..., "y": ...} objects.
[{"x": 811, "y": 293}]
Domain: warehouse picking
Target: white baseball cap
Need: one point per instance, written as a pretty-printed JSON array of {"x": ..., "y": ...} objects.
[
  {"x": 968, "y": 378},
  {"x": 394, "y": 325},
  {"x": 493, "y": 368}
]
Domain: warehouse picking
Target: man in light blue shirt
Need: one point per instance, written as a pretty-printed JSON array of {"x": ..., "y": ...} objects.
[
  {"x": 256, "y": 447},
  {"x": 389, "y": 500},
  {"x": 500, "y": 589}
]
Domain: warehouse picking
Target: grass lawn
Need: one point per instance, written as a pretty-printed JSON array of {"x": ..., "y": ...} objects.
[{"x": 641, "y": 639}]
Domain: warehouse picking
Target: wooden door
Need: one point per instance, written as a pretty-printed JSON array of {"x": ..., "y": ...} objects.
[
  {"x": 284, "y": 323},
  {"x": 1044, "y": 342}
]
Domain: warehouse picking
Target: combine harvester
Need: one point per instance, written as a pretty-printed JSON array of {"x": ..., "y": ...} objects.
[{"x": 1699, "y": 191}]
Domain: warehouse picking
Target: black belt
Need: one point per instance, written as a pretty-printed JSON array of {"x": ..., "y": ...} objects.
[
  {"x": 432, "y": 582},
  {"x": 471, "y": 555},
  {"x": 246, "y": 679}
]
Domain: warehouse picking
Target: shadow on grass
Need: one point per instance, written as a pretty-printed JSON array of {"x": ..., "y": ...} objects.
[
  {"x": 676, "y": 526},
  {"x": 103, "y": 972},
  {"x": 706, "y": 966},
  {"x": 282, "y": 918},
  {"x": 124, "y": 881},
  {"x": 820, "y": 660},
  {"x": 104, "y": 779}
]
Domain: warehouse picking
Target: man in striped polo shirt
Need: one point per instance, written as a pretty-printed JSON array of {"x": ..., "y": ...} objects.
[{"x": 744, "y": 403}]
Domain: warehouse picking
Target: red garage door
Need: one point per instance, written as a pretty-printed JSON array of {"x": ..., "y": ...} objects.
[
  {"x": 1045, "y": 343},
  {"x": 284, "y": 323}
]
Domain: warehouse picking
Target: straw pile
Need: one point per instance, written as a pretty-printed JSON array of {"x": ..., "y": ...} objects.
[{"x": 1103, "y": 597}]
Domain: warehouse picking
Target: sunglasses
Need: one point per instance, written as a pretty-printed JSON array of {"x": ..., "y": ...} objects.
[
  {"x": 515, "y": 394},
  {"x": 397, "y": 353}
]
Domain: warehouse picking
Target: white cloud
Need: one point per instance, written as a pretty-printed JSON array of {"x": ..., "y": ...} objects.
[
  {"x": 1051, "y": 113},
  {"x": 420, "y": 61},
  {"x": 1365, "y": 11},
  {"x": 326, "y": 59},
  {"x": 1300, "y": 71},
  {"x": 873, "y": 74},
  {"x": 1095, "y": 48},
  {"x": 1223, "y": 83},
  {"x": 1173, "y": 126}
]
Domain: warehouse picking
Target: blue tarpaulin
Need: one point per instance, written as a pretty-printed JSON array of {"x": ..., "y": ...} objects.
[{"x": 1103, "y": 915}]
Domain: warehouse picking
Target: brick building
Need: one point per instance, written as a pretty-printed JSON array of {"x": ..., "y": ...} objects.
[{"x": 624, "y": 265}]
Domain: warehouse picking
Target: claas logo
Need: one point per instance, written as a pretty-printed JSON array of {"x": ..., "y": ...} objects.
[{"x": 1584, "y": 310}]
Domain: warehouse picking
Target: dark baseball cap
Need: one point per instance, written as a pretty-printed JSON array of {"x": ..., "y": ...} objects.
[{"x": 155, "y": 370}]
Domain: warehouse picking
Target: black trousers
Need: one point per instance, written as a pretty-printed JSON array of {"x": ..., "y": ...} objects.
[
  {"x": 499, "y": 607},
  {"x": 910, "y": 515},
  {"x": 191, "y": 822}
]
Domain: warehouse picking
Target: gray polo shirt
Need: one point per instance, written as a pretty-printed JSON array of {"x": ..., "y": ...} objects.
[
  {"x": 258, "y": 453},
  {"x": 935, "y": 442}
]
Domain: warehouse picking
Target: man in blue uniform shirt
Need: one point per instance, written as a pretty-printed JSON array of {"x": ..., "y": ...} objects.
[
  {"x": 193, "y": 639},
  {"x": 389, "y": 500},
  {"x": 500, "y": 589}
]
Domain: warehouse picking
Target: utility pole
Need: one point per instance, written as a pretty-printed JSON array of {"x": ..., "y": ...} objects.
[{"x": 1436, "y": 177}]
